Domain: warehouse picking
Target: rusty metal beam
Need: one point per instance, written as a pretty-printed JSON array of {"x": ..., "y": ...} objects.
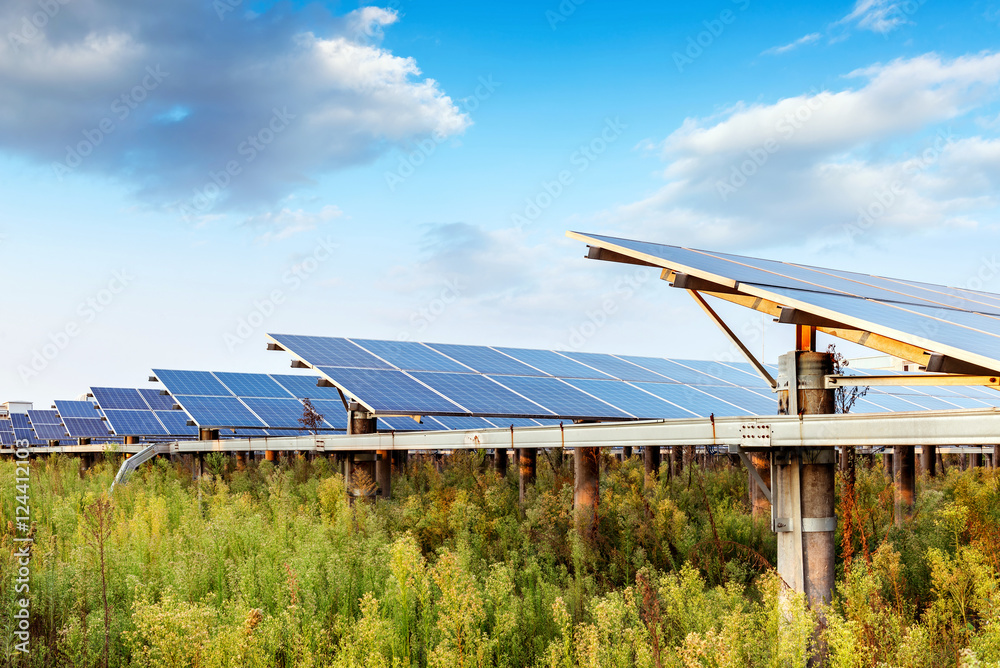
[
  {"x": 910, "y": 380},
  {"x": 733, "y": 338}
]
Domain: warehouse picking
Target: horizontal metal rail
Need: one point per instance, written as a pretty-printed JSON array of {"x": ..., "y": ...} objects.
[{"x": 960, "y": 427}]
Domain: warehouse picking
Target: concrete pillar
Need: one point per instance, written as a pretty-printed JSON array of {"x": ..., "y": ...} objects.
[
  {"x": 977, "y": 460},
  {"x": 887, "y": 456},
  {"x": 626, "y": 452},
  {"x": 528, "y": 458},
  {"x": 500, "y": 461},
  {"x": 904, "y": 476},
  {"x": 206, "y": 434},
  {"x": 383, "y": 473},
  {"x": 928, "y": 459},
  {"x": 759, "y": 504},
  {"x": 131, "y": 440},
  {"x": 677, "y": 454},
  {"x": 804, "y": 486},
  {"x": 651, "y": 462},
  {"x": 586, "y": 487}
]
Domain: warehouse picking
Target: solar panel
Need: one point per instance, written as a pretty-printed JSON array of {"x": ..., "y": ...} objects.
[
  {"x": 81, "y": 409},
  {"x": 118, "y": 397},
  {"x": 672, "y": 370},
  {"x": 218, "y": 411},
  {"x": 691, "y": 398},
  {"x": 252, "y": 385},
  {"x": 462, "y": 422},
  {"x": 333, "y": 412},
  {"x": 479, "y": 394},
  {"x": 639, "y": 403},
  {"x": 50, "y": 432},
  {"x": 156, "y": 401},
  {"x": 6, "y": 432},
  {"x": 175, "y": 423},
  {"x": 561, "y": 398},
  {"x": 390, "y": 391},
  {"x": 327, "y": 351},
  {"x": 485, "y": 360},
  {"x": 303, "y": 387},
  {"x": 134, "y": 423},
  {"x": 20, "y": 421},
  {"x": 43, "y": 417},
  {"x": 192, "y": 383},
  {"x": 617, "y": 367},
  {"x": 86, "y": 427},
  {"x": 411, "y": 356},
  {"x": 553, "y": 363},
  {"x": 277, "y": 412}
]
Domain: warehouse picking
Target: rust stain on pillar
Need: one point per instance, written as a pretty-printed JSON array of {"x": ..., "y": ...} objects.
[
  {"x": 527, "y": 460},
  {"x": 586, "y": 487}
]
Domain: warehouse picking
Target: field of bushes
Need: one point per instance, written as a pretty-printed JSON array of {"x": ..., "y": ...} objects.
[{"x": 272, "y": 566}]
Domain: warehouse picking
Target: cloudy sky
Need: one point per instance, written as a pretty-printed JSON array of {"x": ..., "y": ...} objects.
[{"x": 180, "y": 178}]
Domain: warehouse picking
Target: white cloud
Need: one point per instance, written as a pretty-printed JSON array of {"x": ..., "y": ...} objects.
[
  {"x": 805, "y": 39},
  {"x": 220, "y": 81},
  {"x": 287, "y": 223},
  {"x": 805, "y": 167},
  {"x": 882, "y": 16}
]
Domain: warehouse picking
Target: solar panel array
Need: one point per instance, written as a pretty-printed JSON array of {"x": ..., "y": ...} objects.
[
  {"x": 47, "y": 425},
  {"x": 6, "y": 432},
  {"x": 134, "y": 412},
  {"x": 480, "y": 386},
  {"x": 958, "y": 322},
  {"x": 264, "y": 403}
]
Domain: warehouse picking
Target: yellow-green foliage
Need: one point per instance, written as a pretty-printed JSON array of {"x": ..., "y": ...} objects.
[{"x": 273, "y": 566}]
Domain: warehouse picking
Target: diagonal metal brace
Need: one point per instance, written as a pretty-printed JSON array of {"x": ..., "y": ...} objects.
[{"x": 753, "y": 471}]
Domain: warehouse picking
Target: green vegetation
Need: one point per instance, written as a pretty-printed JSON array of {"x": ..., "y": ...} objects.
[{"x": 273, "y": 567}]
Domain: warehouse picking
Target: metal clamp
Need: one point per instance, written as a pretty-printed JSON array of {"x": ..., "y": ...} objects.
[{"x": 818, "y": 524}]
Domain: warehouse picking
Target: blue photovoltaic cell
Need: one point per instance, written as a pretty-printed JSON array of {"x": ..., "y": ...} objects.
[
  {"x": 218, "y": 411},
  {"x": 86, "y": 427},
  {"x": 278, "y": 412},
  {"x": 332, "y": 410},
  {"x": 507, "y": 422},
  {"x": 50, "y": 432},
  {"x": 155, "y": 400},
  {"x": 618, "y": 367},
  {"x": 485, "y": 360},
  {"x": 692, "y": 399},
  {"x": 252, "y": 385},
  {"x": 479, "y": 394},
  {"x": 411, "y": 356},
  {"x": 134, "y": 423},
  {"x": 20, "y": 421},
  {"x": 552, "y": 363},
  {"x": 928, "y": 402},
  {"x": 751, "y": 402},
  {"x": 305, "y": 386},
  {"x": 890, "y": 402},
  {"x": 407, "y": 424},
  {"x": 118, "y": 397},
  {"x": 462, "y": 422},
  {"x": 717, "y": 370},
  {"x": 389, "y": 391},
  {"x": 26, "y": 435},
  {"x": 7, "y": 436},
  {"x": 175, "y": 423},
  {"x": 559, "y": 397},
  {"x": 329, "y": 351},
  {"x": 196, "y": 383},
  {"x": 965, "y": 402},
  {"x": 81, "y": 409},
  {"x": 630, "y": 398},
  {"x": 43, "y": 417},
  {"x": 672, "y": 370},
  {"x": 750, "y": 377}
]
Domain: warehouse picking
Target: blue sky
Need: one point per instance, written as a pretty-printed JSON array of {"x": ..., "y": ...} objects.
[{"x": 392, "y": 171}]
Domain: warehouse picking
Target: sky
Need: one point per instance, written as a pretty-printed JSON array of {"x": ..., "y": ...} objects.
[{"x": 178, "y": 179}]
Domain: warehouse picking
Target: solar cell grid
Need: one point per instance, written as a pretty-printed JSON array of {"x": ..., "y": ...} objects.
[
  {"x": 156, "y": 401},
  {"x": 553, "y": 363},
  {"x": 479, "y": 394},
  {"x": 49, "y": 432},
  {"x": 304, "y": 386},
  {"x": 632, "y": 399},
  {"x": 43, "y": 417},
  {"x": 560, "y": 398},
  {"x": 411, "y": 356},
  {"x": 83, "y": 409},
  {"x": 691, "y": 398},
  {"x": 390, "y": 391},
  {"x": 191, "y": 383},
  {"x": 277, "y": 412},
  {"x": 252, "y": 385},
  {"x": 333, "y": 412},
  {"x": 329, "y": 351},
  {"x": 118, "y": 397},
  {"x": 20, "y": 421},
  {"x": 175, "y": 423},
  {"x": 86, "y": 427},
  {"x": 485, "y": 360},
  {"x": 617, "y": 367},
  {"x": 218, "y": 411},
  {"x": 134, "y": 423}
]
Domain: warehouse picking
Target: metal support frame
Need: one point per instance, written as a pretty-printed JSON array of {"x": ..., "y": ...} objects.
[
  {"x": 754, "y": 475},
  {"x": 910, "y": 380}
]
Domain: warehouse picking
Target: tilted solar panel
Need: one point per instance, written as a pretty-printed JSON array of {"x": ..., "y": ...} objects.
[
  {"x": 86, "y": 427},
  {"x": 81, "y": 409},
  {"x": 192, "y": 383},
  {"x": 134, "y": 423},
  {"x": 118, "y": 397},
  {"x": 411, "y": 356},
  {"x": 218, "y": 411},
  {"x": 252, "y": 385},
  {"x": 156, "y": 401},
  {"x": 553, "y": 363}
]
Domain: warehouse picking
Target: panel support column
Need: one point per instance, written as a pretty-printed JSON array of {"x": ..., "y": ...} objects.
[
  {"x": 651, "y": 463},
  {"x": 500, "y": 461},
  {"x": 528, "y": 458},
  {"x": 904, "y": 475},
  {"x": 626, "y": 453},
  {"x": 383, "y": 473},
  {"x": 586, "y": 487},
  {"x": 803, "y": 482},
  {"x": 761, "y": 461},
  {"x": 928, "y": 460}
]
